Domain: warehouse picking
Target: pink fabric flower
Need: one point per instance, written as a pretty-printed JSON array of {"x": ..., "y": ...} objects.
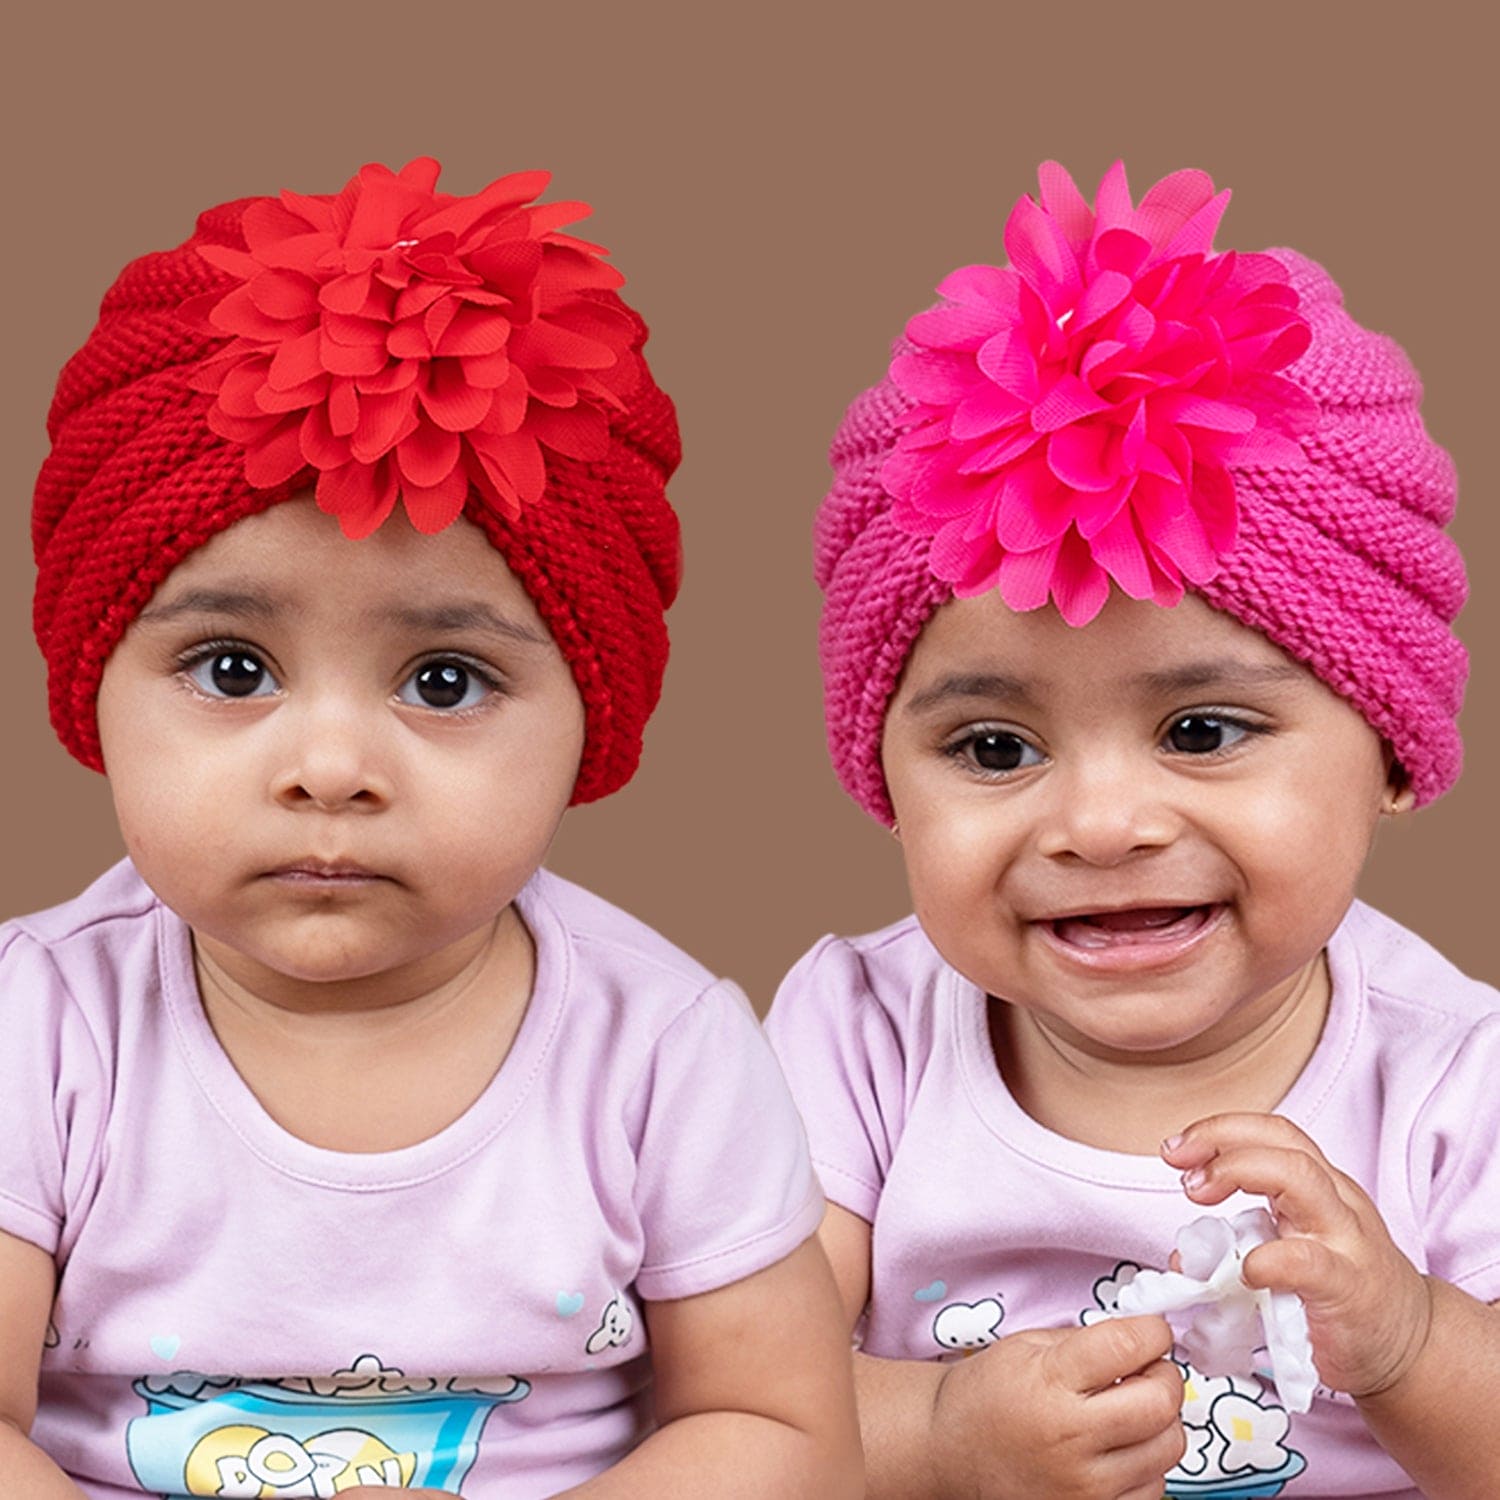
[
  {"x": 406, "y": 342},
  {"x": 1077, "y": 412}
]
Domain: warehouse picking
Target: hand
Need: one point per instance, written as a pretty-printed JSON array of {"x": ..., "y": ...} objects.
[
  {"x": 1074, "y": 1414},
  {"x": 1369, "y": 1310}
]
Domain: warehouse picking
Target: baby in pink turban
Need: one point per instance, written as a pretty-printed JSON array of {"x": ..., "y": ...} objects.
[{"x": 1137, "y": 625}]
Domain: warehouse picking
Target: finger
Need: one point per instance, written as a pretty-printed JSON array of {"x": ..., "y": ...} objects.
[
  {"x": 1215, "y": 1133},
  {"x": 1091, "y": 1358},
  {"x": 1305, "y": 1266},
  {"x": 1137, "y": 1408},
  {"x": 1139, "y": 1470},
  {"x": 1304, "y": 1191}
]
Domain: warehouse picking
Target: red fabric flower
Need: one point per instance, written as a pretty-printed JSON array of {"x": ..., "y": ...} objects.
[
  {"x": 403, "y": 341},
  {"x": 1077, "y": 412}
]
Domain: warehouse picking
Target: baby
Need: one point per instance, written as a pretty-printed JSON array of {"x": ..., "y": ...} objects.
[
  {"x": 1136, "y": 627},
  {"x": 344, "y": 1148}
]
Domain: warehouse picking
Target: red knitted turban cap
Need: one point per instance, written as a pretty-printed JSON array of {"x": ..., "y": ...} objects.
[{"x": 390, "y": 343}]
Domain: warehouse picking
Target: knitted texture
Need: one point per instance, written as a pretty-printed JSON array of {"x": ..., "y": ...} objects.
[
  {"x": 136, "y": 481},
  {"x": 1343, "y": 564}
]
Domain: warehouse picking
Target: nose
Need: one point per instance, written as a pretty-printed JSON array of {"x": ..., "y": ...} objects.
[
  {"x": 331, "y": 757},
  {"x": 1106, "y": 809}
]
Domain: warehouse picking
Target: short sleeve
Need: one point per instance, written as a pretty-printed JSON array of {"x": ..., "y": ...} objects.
[
  {"x": 844, "y": 1061},
  {"x": 53, "y": 1089},
  {"x": 1456, "y": 1168},
  {"x": 723, "y": 1187}
]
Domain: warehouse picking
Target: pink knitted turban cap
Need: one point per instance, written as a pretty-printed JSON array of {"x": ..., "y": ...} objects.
[{"x": 1120, "y": 407}]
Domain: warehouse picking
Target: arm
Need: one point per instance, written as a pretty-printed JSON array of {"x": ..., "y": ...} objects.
[
  {"x": 27, "y": 1280},
  {"x": 1390, "y": 1337},
  {"x": 1082, "y": 1411},
  {"x": 752, "y": 1394}
]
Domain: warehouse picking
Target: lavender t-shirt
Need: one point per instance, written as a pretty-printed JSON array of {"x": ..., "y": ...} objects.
[
  {"x": 985, "y": 1222},
  {"x": 240, "y": 1313}
]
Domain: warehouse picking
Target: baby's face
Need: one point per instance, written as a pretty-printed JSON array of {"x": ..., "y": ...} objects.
[
  {"x": 1144, "y": 830},
  {"x": 338, "y": 758}
]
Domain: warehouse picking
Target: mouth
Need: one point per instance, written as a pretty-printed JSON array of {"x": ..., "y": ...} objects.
[
  {"x": 1132, "y": 937},
  {"x": 338, "y": 873}
]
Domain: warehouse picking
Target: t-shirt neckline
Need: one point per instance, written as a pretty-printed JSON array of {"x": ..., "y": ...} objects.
[
  {"x": 991, "y": 1099},
  {"x": 231, "y": 1097}
]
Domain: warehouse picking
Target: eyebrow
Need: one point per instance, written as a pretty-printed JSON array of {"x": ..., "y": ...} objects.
[
  {"x": 459, "y": 615},
  {"x": 1221, "y": 672},
  {"x": 973, "y": 685},
  {"x": 238, "y": 602},
  {"x": 449, "y": 618}
]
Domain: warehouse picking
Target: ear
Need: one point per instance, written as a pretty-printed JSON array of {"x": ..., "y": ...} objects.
[{"x": 1399, "y": 796}]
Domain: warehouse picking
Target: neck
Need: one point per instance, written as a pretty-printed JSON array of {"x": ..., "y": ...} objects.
[
  {"x": 229, "y": 978},
  {"x": 1131, "y": 1101},
  {"x": 367, "y": 1065}
]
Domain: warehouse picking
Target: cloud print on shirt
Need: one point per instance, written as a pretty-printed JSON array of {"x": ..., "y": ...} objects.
[
  {"x": 968, "y": 1325},
  {"x": 614, "y": 1328}
]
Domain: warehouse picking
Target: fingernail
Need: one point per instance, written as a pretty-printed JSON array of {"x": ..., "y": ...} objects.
[
  {"x": 1171, "y": 1143},
  {"x": 1195, "y": 1179}
]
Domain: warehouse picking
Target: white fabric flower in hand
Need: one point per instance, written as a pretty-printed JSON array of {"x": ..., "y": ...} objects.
[{"x": 1220, "y": 1322}]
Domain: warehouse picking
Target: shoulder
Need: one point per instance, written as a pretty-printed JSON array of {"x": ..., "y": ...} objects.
[
  {"x": 873, "y": 1008},
  {"x": 118, "y": 898},
  {"x": 1408, "y": 985},
  {"x": 85, "y": 946},
  {"x": 69, "y": 977},
  {"x": 607, "y": 959},
  {"x": 894, "y": 970},
  {"x": 1418, "y": 1017}
]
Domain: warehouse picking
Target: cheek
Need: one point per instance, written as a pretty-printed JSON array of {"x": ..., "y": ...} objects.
[
  {"x": 954, "y": 868},
  {"x": 165, "y": 819},
  {"x": 504, "y": 803},
  {"x": 1305, "y": 840}
]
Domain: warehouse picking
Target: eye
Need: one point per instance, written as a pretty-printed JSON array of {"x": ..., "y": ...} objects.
[
  {"x": 995, "y": 751},
  {"x": 446, "y": 684},
  {"x": 230, "y": 673},
  {"x": 1203, "y": 734}
]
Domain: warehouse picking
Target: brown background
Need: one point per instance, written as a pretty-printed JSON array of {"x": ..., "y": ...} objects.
[{"x": 783, "y": 185}]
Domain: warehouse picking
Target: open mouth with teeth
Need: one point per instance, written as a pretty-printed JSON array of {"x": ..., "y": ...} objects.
[{"x": 1136, "y": 927}]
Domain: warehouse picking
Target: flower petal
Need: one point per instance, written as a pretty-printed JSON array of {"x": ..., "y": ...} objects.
[
  {"x": 1085, "y": 456},
  {"x": 319, "y": 444},
  {"x": 1062, "y": 202},
  {"x": 384, "y": 421},
  {"x": 1040, "y": 252},
  {"x": 428, "y": 454},
  {"x": 1079, "y": 585},
  {"x": 433, "y": 507},
  {"x": 360, "y": 495},
  {"x": 344, "y": 359},
  {"x": 284, "y": 294},
  {"x": 581, "y": 432},
  {"x": 1068, "y": 401},
  {"x": 982, "y": 288},
  {"x": 343, "y": 407},
  {"x": 1117, "y": 549},
  {"x": 1025, "y": 578},
  {"x": 1032, "y": 513},
  {"x": 276, "y": 458},
  {"x": 454, "y": 403},
  {"x": 1010, "y": 363},
  {"x": 296, "y": 362}
]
